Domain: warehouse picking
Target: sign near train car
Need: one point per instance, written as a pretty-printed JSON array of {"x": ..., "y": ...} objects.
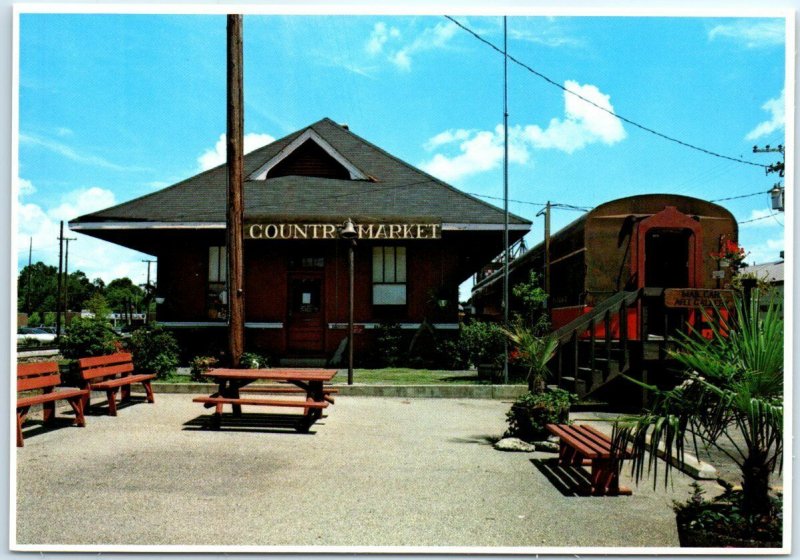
[{"x": 691, "y": 298}]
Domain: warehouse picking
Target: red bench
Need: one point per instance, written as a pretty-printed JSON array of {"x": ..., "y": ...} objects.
[
  {"x": 585, "y": 445},
  {"x": 44, "y": 377},
  {"x": 110, "y": 374}
]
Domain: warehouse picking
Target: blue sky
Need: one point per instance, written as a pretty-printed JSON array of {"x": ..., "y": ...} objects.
[{"x": 112, "y": 107}]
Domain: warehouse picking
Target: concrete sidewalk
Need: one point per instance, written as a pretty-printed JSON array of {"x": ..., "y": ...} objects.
[{"x": 395, "y": 472}]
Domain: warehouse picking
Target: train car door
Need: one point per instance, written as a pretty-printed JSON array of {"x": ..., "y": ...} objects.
[{"x": 668, "y": 254}]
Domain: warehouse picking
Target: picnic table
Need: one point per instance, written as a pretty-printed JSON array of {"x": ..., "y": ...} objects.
[{"x": 233, "y": 382}]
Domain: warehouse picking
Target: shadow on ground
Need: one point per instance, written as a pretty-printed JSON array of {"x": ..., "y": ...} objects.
[
  {"x": 570, "y": 481},
  {"x": 250, "y": 422},
  {"x": 33, "y": 428}
]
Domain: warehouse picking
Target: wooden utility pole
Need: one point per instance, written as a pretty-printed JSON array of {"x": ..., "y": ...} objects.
[
  {"x": 235, "y": 216},
  {"x": 28, "y": 288},
  {"x": 58, "y": 280},
  {"x": 66, "y": 277},
  {"x": 547, "y": 252}
]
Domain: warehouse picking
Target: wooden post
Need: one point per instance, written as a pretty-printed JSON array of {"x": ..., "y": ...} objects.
[
  {"x": 235, "y": 215},
  {"x": 350, "y": 318},
  {"x": 58, "y": 281}
]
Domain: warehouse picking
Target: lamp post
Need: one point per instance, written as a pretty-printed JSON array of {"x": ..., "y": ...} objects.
[{"x": 349, "y": 233}]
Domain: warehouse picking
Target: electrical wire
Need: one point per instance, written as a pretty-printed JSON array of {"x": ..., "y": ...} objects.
[
  {"x": 590, "y": 102},
  {"x": 552, "y": 204},
  {"x": 740, "y": 196}
]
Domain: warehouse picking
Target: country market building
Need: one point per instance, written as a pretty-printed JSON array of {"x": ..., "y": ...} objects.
[{"x": 417, "y": 239}]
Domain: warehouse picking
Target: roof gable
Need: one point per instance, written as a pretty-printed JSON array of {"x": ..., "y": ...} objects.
[{"x": 298, "y": 148}]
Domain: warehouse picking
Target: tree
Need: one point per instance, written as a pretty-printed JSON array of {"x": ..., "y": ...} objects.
[
  {"x": 121, "y": 293},
  {"x": 731, "y": 399},
  {"x": 36, "y": 288}
]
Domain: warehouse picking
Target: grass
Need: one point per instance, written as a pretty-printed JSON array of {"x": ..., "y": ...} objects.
[{"x": 391, "y": 376}]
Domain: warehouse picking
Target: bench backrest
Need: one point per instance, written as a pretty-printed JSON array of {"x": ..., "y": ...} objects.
[
  {"x": 37, "y": 375},
  {"x": 103, "y": 367}
]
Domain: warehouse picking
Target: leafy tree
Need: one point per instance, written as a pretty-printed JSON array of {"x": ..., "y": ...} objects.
[
  {"x": 122, "y": 292},
  {"x": 85, "y": 337},
  {"x": 36, "y": 288}
]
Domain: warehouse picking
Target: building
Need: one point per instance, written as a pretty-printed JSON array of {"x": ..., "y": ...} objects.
[{"x": 418, "y": 239}]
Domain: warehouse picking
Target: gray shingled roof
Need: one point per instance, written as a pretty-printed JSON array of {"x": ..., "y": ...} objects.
[{"x": 399, "y": 190}]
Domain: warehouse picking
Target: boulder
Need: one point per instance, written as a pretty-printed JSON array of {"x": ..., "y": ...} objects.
[
  {"x": 514, "y": 444},
  {"x": 547, "y": 446}
]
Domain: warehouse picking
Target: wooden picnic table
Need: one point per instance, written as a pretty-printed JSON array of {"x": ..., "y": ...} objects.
[{"x": 231, "y": 382}]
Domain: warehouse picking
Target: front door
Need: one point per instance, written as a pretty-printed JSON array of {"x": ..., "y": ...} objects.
[
  {"x": 666, "y": 265},
  {"x": 306, "y": 325}
]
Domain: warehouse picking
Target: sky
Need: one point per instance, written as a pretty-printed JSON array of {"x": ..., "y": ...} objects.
[{"x": 116, "y": 106}]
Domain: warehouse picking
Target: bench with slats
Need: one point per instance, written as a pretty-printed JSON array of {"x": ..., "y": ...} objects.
[
  {"x": 111, "y": 374},
  {"x": 581, "y": 445},
  {"x": 274, "y": 390},
  {"x": 44, "y": 377}
]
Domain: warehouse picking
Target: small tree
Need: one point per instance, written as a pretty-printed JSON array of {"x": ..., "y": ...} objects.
[
  {"x": 533, "y": 352},
  {"x": 533, "y": 298},
  {"x": 155, "y": 350},
  {"x": 86, "y": 337},
  {"x": 733, "y": 389}
]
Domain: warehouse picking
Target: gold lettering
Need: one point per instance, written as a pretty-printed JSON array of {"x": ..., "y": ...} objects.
[
  {"x": 394, "y": 231},
  {"x": 271, "y": 231},
  {"x": 328, "y": 231},
  {"x": 380, "y": 233},
  {"x": 300, "y": 231},
  {"x": 253, "y": 229},
  {"x": 434, "y": 231},
  {"x": 315, "y": 231},
  {"x": 407, "y": 231}
]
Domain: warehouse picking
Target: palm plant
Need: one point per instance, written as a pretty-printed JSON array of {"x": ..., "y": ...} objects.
[
  {"x": 731, "y": 399},
  {"x": 534, "y": 352}
]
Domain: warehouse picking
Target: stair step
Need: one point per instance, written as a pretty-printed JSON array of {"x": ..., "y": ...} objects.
[
  {"x": 593, "y": 377},
  {"x": 578, "y": 386}
]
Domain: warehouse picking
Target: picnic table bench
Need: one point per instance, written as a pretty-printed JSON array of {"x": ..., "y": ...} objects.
[
  {"x": 585, "y": 445},
  {"x": 233, "y": 382},
  {"x": 112, "y": 373},
  {"x": 44, "y": 377}
]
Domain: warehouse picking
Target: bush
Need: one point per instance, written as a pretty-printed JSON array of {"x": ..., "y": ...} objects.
[
  {"x": 483, "y": 343},
  {"x": 532, "y": 411},
  {"x": 389, "y": 352},
  {"x": 451, "y": 355},
  {"x": 251, "y": 360},
  {"x": 200, "y": 365},
  {"x": 85, "y": 337},
  {"x": 154, "y": 350}
]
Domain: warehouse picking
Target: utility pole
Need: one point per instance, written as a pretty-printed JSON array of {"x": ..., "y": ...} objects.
[
  {"x": 58, "y": 280},
  {"x": 235, "y": 215},
  {"x": 66, "y": 278},
  {"x": 28, "y": 287},
  {"x": 505, "y": 197},
  {"x": 546, "y": 212},
  {"x": 777, "y": 191},
  {"x": 148, "y": 292}
]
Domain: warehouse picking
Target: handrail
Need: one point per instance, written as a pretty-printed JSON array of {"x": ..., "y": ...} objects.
[{"x": 583, "y": 322}]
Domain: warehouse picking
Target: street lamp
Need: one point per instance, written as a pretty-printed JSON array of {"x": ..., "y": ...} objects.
[{"x": 349, "y": 233}]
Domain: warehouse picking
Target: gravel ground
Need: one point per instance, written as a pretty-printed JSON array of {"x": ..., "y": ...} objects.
[{"x": 376, "y": 472}]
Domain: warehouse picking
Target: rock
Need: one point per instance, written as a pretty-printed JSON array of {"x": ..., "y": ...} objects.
[
  {"x": 514, "y": 444},
  {"x": 547, "y": 446}
]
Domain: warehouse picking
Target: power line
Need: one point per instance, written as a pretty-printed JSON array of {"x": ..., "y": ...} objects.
[
  {"x": 552, "y": 204},
  {"x": 770, "y": 215},
  {"x": 590, "y": 102},
  {"x": 740, "y": 196}
]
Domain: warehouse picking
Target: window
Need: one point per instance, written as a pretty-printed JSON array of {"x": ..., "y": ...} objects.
[
  {"x": 216, "y": 303},
  {"x": 389, "y": 275}
]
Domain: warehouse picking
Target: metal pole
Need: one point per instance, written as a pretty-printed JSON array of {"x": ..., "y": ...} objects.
[
  {"x": 235, "y": 215},
  {"x": 547, "y": 253},
  {"x": 351, "y": 274},
  {"x": 28, "y": 288},
  {"x": 66, "y": 278},
  {"x": 505, "y": 195}
]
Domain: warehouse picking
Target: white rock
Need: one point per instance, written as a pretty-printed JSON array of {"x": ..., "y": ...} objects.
[
  {"x": 514, "y": 444},
  {"x": 548, "y": 446}
]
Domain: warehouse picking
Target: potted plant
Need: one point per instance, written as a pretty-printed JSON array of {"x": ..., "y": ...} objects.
[{"x": 731, "y": 400}]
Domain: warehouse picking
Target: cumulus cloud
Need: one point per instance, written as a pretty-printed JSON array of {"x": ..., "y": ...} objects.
[
  {"x": 387, "y": 41},
  {"x": 24, "y": 187},
  {"x": 479, "y": 151},
  {"x": 96, "y": 258},
  {"x": 777, "y": 109},
  {"x": 768, "y": 250},
  {"x": 216, "y": 156},
  {"x": 751, "y": 33}
]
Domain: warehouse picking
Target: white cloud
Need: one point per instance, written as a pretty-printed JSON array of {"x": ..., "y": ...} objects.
[
  {"x": 480, "y": 151},
  {"x": 762, "y": 218},
  {"x": 381, "y": 33},
  {"x": 96, "y": 258},
  {"x": 777, "y": 109},
  {"x": 751, "y": 33},
  {"x": 216, "y": 156},
  {"x": 24, "y": 187},
  {"x": 385, "y": 41},
  {"x": 765, "y": 251}
]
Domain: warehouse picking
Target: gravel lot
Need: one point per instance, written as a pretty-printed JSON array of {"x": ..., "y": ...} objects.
[{"x": 376, "y": 472}]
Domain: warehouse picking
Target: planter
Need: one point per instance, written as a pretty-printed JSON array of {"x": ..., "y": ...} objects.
[{"x": 703, "y": 538}]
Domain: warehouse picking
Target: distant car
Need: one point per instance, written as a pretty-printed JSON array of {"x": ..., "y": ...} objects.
[{"x": 33, "y": 333}]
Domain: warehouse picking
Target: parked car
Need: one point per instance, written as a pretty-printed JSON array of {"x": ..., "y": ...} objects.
[{"x": 33, "y": 333}]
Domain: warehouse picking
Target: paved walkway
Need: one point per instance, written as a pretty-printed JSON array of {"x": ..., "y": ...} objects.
[{"x": 376, "y": 472}]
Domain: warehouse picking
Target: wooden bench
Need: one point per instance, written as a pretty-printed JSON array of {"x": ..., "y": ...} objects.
[
  {"x": 582, "y": 445},
  {"x": 110, "y": 374},
  {"x": 305, "y": 421},
  {"x": 44, "y": 376},
  {"x": 273, "y": 390}
]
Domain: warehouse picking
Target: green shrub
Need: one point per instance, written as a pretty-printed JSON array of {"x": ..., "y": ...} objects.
[
  {"x": 451, "y": 355},
  {"x": 154, "y": 350},
  {"x": 85, "y": 337},
  {"x": 389, "y": 347},
  {"x": 532, "y": 411},
  {"x": 251, "y": 360},
  {"x": 483, "y": 343},
  {"x": 200, "y": 365}
]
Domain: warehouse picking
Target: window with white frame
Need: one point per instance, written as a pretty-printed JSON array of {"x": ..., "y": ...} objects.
[
  {"x": 388, "y": 275},
  {"x": 216, "y": 303}
]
